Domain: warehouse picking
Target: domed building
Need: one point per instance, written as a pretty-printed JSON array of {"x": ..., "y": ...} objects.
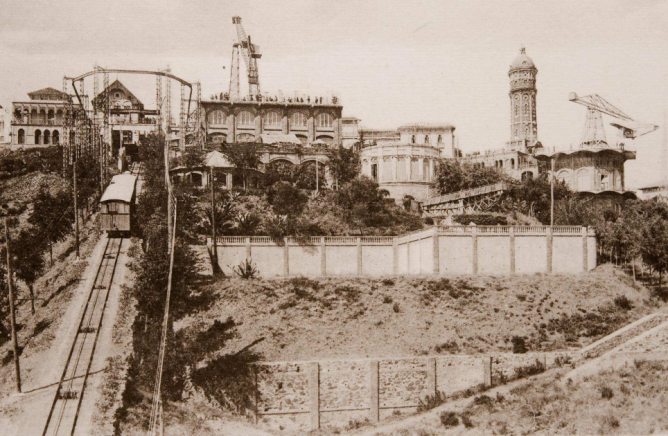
[{"x": 403, "y": 161}]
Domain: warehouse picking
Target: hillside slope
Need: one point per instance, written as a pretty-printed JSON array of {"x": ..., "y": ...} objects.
[{"x": 321, "y": 318}]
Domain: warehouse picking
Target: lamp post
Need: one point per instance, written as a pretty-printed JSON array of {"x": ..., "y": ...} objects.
[{"x": 12, "y": 309}]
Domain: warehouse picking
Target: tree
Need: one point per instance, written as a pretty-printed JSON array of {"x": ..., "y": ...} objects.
[
  {"x": 343, "y": 165},
  {"x": 29, "y": 261},
  {"x": 305, "y": 177},
  {"x": 279, "y": 171},
  {"x": 532, "y": 197},
  {"x": 453, "y": 176},
  {"x": 243, "y": 155},
  {"x": 363, "y": 202},
  {"x": 286, "y": 199},
  {"x": 52, "y": 217}
]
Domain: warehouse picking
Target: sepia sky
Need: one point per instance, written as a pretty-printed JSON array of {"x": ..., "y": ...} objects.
[{"x": 390, "y": 62}]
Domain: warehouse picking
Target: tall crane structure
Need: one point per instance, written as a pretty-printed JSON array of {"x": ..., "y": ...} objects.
[
  {"x": 593, "y": 134},
  {"x": 251, "y": 53}
]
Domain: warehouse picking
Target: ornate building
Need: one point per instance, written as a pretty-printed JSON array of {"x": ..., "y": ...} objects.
[
  {"x": 523, "y": 124},
  {"x": 403, "y": 161},
  {"x": 244, "y": 121},
  {"x": 39, "y": 121},
  {"x": 517, "y": 158}
]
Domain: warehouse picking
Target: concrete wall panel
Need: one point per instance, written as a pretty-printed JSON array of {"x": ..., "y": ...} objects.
[
  {"x": 567, "y": 254},
  {"x": 455, "y": 254},
  {"x": 493, "y": 255},
  {"x": 341, "y": 260},
  {"x": 377, "y": 260},
  {"x": 268, "y": 260},
  {"x": 304, "y": 260},
  {"x": 530, "y": 254}
]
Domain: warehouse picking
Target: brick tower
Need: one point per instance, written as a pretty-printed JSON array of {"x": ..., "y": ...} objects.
[{"x": 523, "y": 125}]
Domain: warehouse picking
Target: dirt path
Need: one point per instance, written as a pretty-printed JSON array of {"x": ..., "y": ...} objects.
[{"x": 26, "y": 414}]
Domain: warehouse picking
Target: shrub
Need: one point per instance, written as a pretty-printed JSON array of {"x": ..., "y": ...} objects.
[
  {"x": 431, "y": 401},
  {"x": 388, "y": 282},
  {"x": 355, "y": 423},
  {"x": 483, "y": 400},
  {"x": 449, "y": 419},
  {"x": 519, "y": 345},
  {"x": 396, "y": 308},
  {"x": 387, "y": 299},
  {"x": 466, "y": 420},
  {"x": 623, "y": 302},
  {"x": 246, "y": 269},
  {"x": 529, "y": 370},
  {"x": 447, "y": 347},
  {"x": 606, "y": 392}
]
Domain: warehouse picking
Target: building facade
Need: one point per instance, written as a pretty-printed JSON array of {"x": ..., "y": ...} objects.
[
  {"x": 403, "y": 161},
  {"x": 128, "y": 119},
  {"x": 657, "y": 190},
  {"x": 4, "y": 124},
  {"x": 38, "y": 122},
  {"x": 244, "y": 121},
  {"x": 517, "y": 157}
]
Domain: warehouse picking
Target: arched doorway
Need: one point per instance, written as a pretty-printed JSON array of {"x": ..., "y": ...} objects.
[
  {"x": 38, "y": 137},
  {"x": 47, "y": 137},
  {"x": 56, "y": 137},
  {"x": 21, "y": 136}
]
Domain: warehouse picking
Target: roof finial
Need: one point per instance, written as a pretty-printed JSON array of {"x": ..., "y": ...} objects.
[{"x": 522, "y": 49}]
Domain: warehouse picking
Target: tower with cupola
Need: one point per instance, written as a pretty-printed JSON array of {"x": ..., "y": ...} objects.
[{"x": 523, "y": 125}]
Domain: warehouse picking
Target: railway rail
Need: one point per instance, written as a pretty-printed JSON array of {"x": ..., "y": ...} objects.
[{"x": 69, "y": 396}]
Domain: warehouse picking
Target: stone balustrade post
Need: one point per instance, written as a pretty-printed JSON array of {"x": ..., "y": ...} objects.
[
  {"x": 474, "y": 240},
  {"x": 395, "y": 255},
  {"x": 323, "y": 257},
  {"x": 359, "y": 256},
  {"x": 248, "y": 248},
  {"x": 314, "y": 394},
  {"x": 374, "y": 391},
  {"x": 585, "y": 250},
  {"x": 549, "y": 237},
  {"x": 512, "y": 249},
  {"x": 286, "y": 258},
  {"x": 431, "y": 376}
]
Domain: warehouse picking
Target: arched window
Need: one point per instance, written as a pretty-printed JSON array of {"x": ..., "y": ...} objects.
[
  {"x": 42, "y": 116},
  {"x": 59, "y": 117},
  {"x": 440, "y": 139},
  {"x": 512, "y": 163},
  {"x": 47, "y": 137},
  {"x": 51, "y": 116},
  {"x": 298, "y": 120},
  {"x": 500, "y": 164},
  {"x": 217, "y": 118},
  {"x": 245, "y": 118},
  {"x": 245, "y": 137},
  {"x": 272, "y": 119},
  {"x": 22, "y": 136},
  {"x": 413, "y": 139},
  {"x": 38, "y": 136},
  {"x": 33, "y": 116},
  {"x": 426, "y": 139},
  {"x": 56, "y": 137},
  {"x": 323, "y": 121}
]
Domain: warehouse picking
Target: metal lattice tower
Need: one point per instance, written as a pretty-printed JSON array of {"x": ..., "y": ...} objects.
[
  {"x": 158, "y": 101},
  {"x": 182, "y": 119},
  {"x": 251, "y": 54},
  {"x": 593, "y": 134},
  {"x": 106, "y": 146},
  {"x": 67, "y": 128},
  {"x": 234, "y": 74},
  {"x": 168, "y": 118}
]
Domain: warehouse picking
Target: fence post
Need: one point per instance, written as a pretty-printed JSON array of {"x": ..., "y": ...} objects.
[
  {"x": 585, "y": 251},
  {"x": 549, "y": 240},
  {"x": 395, "y": 255},
  {"x": 248, "y": 248},
  {"x": 359, "y": 256},
  {"x": 474, "y": 239},
  {"x": 512, "y": 249},
  {"x": 374, "y": 405},
  {"x": 431, "y": 376},
  {"x": 487, "y": 368},
  {"x": 437, "y": 262},
  {"x": 314, "y": 394},
  {"x": 286, "y": 258},
  {"x": 323, "y": 257}
]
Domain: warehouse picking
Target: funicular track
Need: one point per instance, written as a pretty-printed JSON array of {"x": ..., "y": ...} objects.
[
  {"x": 68, "y": 399},
  {"x": 69, "y": 395}
]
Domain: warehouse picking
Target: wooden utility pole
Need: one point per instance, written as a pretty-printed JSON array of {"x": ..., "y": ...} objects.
[
  {"x": 213, "y": 220},
  {"x": 169, "y": 191},
  {"x": 552, "y": 193},
  {"x": 12, "y": 310},
  {"x": 76, "y": 208}
]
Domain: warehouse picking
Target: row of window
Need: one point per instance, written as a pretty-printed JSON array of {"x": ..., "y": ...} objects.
[
  {"x": 439, "y": 140},
  {"x": 46, "y": 138},
  {"x": 41, "y": 117},
  {"x": 271, "y": 119}
]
